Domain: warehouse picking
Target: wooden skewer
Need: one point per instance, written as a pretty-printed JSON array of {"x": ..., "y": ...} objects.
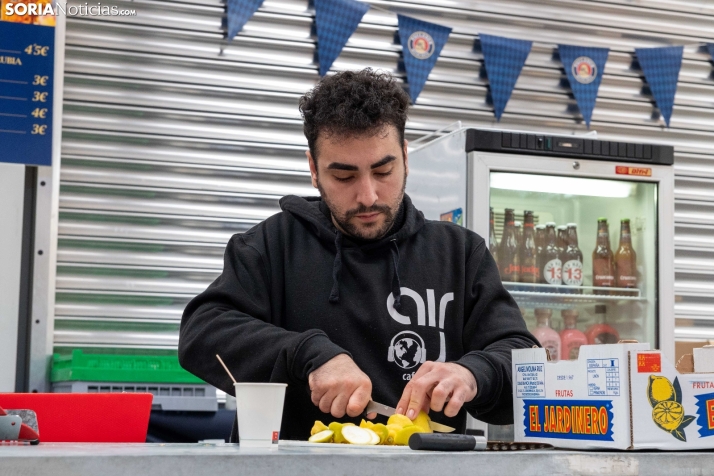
[{"x": 224, "y": 366}]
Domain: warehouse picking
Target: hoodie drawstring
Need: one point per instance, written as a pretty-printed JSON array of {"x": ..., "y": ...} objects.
[
  {"x": 336, "y": 269},
  {"x": 396, "y": 285}
]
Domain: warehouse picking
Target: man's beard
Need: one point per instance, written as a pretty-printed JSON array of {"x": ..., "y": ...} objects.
[{"x": 363, "y": 233}]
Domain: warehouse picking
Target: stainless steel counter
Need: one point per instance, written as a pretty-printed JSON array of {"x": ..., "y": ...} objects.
[{"x": 224, "y": 459}]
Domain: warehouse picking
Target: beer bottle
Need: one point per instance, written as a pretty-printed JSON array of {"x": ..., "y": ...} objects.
[
  {"x": 508, "y": 251},
  {"x": 540, "y": 244},
  {"x": 528, "y": 254},
  {"x": 573, "y": 259},
  {"x": 552, "y": 266},
  {"x": 603, "y": 259},
  {"x": 519, "y": 232},
  {"x": 492, "y": 243},
  {"x": 540, "y": 237},
  {"x": 562, "y": 240},
  {"x": 625, "y": 259}
]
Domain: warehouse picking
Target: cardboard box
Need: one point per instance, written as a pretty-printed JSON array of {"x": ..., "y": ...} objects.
[
  {"x": 673, "y": 408},
  {"x": 582, "y": 404}
]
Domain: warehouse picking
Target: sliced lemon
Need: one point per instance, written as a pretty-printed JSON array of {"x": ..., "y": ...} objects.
[
  {"x": 382, "y": 431},
  {"x": 317, "y": 427},
  {"x": 422, "y": 421},
  {"x": 357, "y": 436},
  {"x": 398, "y": 419},
  {"x": 375, "y": 437},
  {"x": 402, "y": 438},
  {"x": 322, "y": 437}
]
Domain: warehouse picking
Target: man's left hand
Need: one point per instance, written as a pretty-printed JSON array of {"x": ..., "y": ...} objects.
[{"x": 437, "y": 384}]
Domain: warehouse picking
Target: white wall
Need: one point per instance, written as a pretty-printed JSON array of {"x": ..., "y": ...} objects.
[{"x": 12, "y": 186}]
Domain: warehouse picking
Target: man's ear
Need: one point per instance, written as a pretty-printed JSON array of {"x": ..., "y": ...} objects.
[
  {"x": 406, "y": 157},
  {"x": 313, "y": 168}
]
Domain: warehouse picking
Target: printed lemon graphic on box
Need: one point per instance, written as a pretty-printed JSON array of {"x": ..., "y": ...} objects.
[{"x": 667, "y": 410}]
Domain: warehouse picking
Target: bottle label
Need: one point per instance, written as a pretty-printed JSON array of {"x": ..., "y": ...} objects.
[
  {"x": 601, "y": 280},
  {"x": 552, "y": 347},
  {"x": 512, "y": 269},
  {"x": 552, "y": 271},
  {"x": 573, "y": 273}
]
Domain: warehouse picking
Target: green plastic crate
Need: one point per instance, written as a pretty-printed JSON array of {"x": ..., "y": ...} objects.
[{"x": 119, "y": 368}]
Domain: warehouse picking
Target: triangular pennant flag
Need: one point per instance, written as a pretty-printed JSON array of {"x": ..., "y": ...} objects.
[
  {"x": 584, "y": 67},
  {"x": 239, "y": 12},
  {"x": 422, "y": 43},
  {"x": 504, "y": 59},
  {"x": 661, "y": 69},
  {"x": 335, "y": 20},
  {"x": 710, "y": 48}
]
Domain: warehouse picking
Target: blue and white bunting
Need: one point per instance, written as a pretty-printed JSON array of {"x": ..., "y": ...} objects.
[
  {"x": 238, "y": 14},
  {"x": 504, "y": 59},
  {"x": 335, "y": 21},
  {"x": 584, "y": 67},
  {"x": 710, "y": 49},
  {"x": 422, "y": 43},
  {"x": 661, "y": 69}
]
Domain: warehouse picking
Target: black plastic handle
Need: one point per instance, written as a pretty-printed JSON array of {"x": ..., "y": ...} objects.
[{"x": 446, "y": 442}]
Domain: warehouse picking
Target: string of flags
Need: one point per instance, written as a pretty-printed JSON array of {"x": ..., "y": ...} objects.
[{"x": 504, "y": 58}]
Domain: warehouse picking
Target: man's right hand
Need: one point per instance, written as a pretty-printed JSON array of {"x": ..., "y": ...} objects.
[{"x": 340, "y": 387}]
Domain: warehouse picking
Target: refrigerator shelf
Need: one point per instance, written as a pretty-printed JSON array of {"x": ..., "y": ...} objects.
[{"x": 563, "y": 297}]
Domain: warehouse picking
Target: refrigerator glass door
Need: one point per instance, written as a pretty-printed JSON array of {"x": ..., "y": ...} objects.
[{"x": 574, "y": 291}]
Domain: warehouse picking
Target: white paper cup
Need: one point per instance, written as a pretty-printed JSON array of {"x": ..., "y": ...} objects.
[{"x": 260, "y": 413}]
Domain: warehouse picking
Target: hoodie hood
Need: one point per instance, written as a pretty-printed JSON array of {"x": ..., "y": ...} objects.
[{"x": 308, "y": 209}]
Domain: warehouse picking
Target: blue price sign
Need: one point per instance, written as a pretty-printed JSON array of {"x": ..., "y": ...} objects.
[{"x": 26, "y": 93}]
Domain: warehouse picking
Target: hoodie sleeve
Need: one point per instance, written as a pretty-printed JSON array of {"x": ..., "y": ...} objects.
[
  {"x": 492, "y": 329},
  {"x": 232, "y": 318}
]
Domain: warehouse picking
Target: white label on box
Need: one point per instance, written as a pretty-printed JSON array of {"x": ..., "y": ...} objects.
[
  {"x": 604, "y": 377},
  {"x": 530, "y": 380}
]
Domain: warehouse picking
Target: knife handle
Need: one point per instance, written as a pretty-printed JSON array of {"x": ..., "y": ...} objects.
[{"x": 446, "y": 442}]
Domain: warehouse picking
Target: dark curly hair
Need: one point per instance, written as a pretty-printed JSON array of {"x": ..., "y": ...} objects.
[{"x": 353, "y": 103}]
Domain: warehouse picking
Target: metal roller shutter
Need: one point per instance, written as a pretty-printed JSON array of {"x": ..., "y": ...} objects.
[{"x": 169, "y": 148}]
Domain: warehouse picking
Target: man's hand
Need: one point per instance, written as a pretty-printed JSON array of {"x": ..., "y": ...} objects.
[
  {"x": 435, "y": 384},
  {"x": 340, "y": 387}
]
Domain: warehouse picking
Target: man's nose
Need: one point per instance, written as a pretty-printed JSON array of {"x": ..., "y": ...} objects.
[{"x": 367, "y": 191}]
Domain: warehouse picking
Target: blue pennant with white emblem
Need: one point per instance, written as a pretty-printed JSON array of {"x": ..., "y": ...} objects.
[
  {"x": 710, "y": 49},
  {"x": 504, "y": 59},
  {"x": 422, "y": 43},
  {"x": 661, "y": 69},
  {"x": 239, "y": 12},
  {"x": 335, "y": 20},
  {"x": 584, "y": 67}
]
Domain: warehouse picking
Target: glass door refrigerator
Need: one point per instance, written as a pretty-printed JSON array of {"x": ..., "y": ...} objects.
[{"x": 582, "y": 229}]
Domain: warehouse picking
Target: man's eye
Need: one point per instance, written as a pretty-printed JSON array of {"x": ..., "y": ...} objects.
[
  {"x": 344, "y": 179},
  {"x": 383, "y": 174}
]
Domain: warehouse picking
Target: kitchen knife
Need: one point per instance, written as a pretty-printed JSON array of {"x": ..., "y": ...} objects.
[{"x": 380, "y": 408}]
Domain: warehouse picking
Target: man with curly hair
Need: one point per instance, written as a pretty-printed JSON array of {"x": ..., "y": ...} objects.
[{"x": 354, "y": 295}]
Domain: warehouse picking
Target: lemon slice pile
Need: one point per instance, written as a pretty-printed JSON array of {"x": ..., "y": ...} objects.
[{"x": 396, "y": 432}]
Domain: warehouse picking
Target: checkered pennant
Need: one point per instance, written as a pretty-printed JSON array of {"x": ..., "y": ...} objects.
[
  {"x": 422, "y": 43},
  {"x": 335, "y": 20},
  {"x": 584, "y": 67},
  {"x": 239, "y": 12},
  {"x": 661, "y": 69},
  {"x": 504, "y": 59}
]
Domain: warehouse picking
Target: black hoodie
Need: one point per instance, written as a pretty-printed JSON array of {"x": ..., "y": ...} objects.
[{"x": 295, "y": 292}]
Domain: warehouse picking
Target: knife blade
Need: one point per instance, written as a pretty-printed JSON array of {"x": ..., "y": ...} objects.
[{"x": 382, "y": 409}]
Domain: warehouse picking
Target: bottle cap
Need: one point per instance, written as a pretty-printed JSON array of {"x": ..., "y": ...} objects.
[
  {"x": 602, "y": 219},
  {"x": 543, "y": 312},
  {"x": 550, "y": 223},
  {"x": 569, "y": 313},
  {"x": 625, "y": 220},
  {"x": 509, "y": 210},
  {"x": 572, "y": 225}
]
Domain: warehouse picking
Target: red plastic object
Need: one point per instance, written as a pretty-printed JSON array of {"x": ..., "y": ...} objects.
[{"x": 86, "y": 417}]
